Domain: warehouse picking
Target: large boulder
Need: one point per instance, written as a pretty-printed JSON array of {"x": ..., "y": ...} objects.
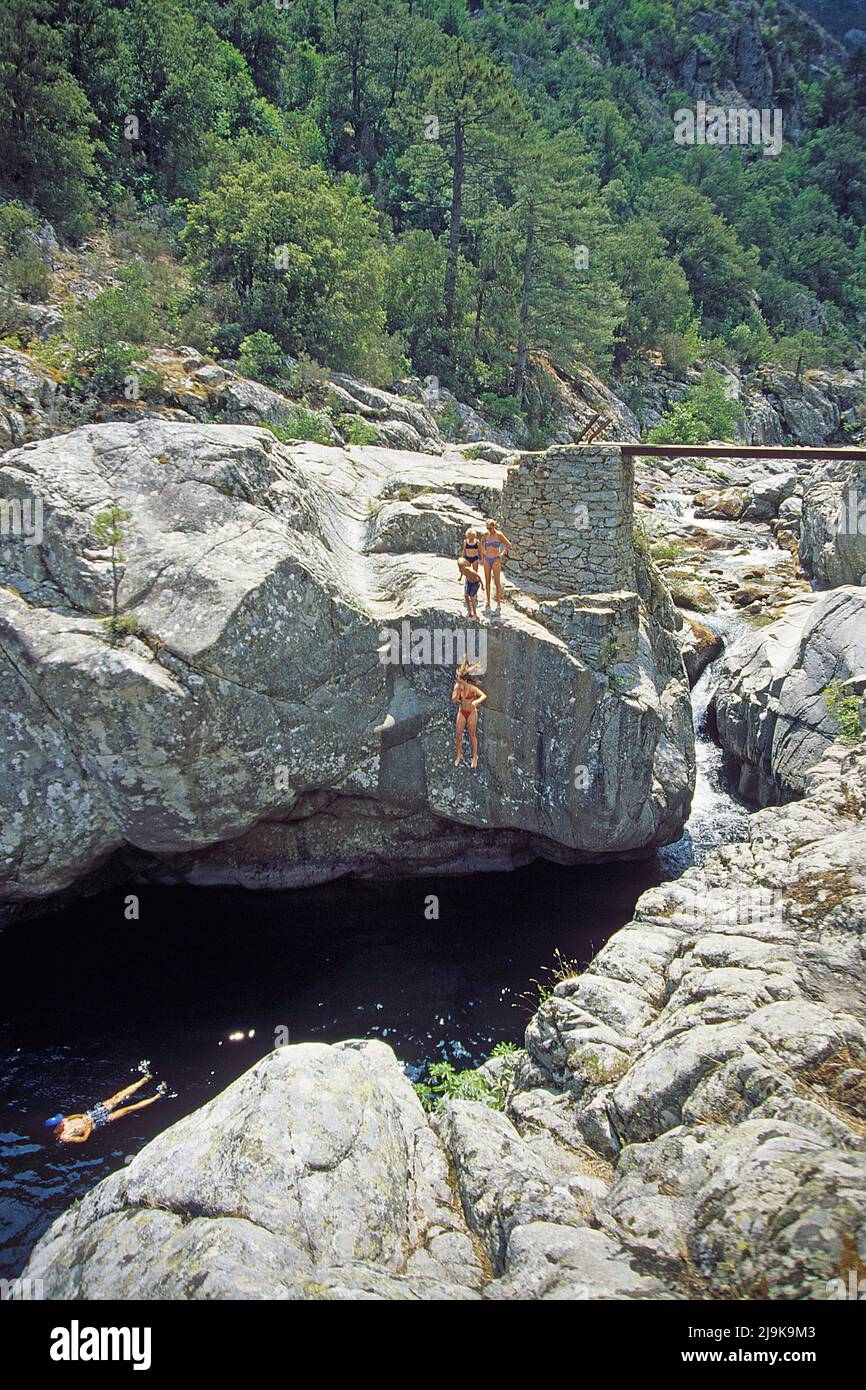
[
  {"x": 784, "y": 409},
  {"x": 281, "y": 713},
  {"x": 833, "y": 525},
  {"x": 314, "y": 1176},
  {"x": 246, "y": 402},
  {"x": 771, "y": 706}
]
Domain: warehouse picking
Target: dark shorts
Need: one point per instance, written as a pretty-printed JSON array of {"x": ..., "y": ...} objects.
[{"x": 472, "y": 587}]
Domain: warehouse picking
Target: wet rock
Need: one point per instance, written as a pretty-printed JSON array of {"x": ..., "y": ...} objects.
[
  {"x": 766, "y": 496},
  {"x": 700, "y": 646},
  {"x": 728, "y": 504}
]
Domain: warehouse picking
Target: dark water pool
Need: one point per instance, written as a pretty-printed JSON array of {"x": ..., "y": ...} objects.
[{"x": 88, "y": 994}]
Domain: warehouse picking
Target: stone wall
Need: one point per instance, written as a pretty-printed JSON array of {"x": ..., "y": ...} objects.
[
  {"x": 601, "y": 628},
  {"x": 568, "y": 514}
]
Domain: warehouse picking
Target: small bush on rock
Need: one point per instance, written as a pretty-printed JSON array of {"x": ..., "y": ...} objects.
[{"x": 844, "y": 707}]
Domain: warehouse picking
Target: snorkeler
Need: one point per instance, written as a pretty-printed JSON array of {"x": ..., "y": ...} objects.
[
  {"x": 471, "y": 585},
  {"x": 77, "y": 1129},
  {"x": 469, "y": 697},
  {"x": 495, "y": 547}
]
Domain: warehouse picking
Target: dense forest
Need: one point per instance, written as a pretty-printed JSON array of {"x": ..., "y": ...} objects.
[{"x": 413, "y": 185}]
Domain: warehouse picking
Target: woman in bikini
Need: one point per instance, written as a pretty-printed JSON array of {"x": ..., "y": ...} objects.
[
  {"x": 467, "y": 697},
  {"x": 494, "y": 549},
  {"x": 77, "y": 1129},
  {"x": 471, "y": 552}
]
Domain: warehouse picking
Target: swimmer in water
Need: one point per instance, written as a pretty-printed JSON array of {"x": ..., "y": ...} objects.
[
  {"x": 77, "y": 1129},
  {"x": 467, "y": 697}
]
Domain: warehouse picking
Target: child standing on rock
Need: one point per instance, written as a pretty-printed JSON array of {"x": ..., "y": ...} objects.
[{"x": 471, "y": 585}]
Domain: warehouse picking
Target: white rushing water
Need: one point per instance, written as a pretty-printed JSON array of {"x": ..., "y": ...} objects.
[{"x": 718, "y": 815}]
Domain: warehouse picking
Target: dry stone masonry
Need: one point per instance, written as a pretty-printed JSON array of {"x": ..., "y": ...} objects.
[{"x": 569, "y": 515}]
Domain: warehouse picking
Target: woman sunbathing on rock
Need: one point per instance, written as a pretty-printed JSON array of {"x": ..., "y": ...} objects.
[
  {"x": 469, "y": 697},
  {"x": 494, "y": 550},
  {"x": 77, "y": 1129}
]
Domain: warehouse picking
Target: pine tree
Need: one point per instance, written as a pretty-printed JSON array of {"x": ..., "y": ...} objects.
[{"x": 477, "y": 110}]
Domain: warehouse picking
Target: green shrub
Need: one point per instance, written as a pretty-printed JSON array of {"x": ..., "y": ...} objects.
[
  {"x": 360, "y": 432},
  {"x": 114, "y": 373},
  {"x": 666, "y": 552},
  {"x": 608, "y": 654},
  {"x": 120, "y": 626},
  {"x": 227, "y": 340},
  {"x": 302, "y": 424},
  {"x": 750, "y": 343},
  {"x": 705, "y": 413},
  {"x": 23, "y": 268},
  {"x": 641, "y": 540},
  {"x": 118, "y": 315},
  {"x": 844, "y": 707},
  {"x": 804, "y": 350},
  {"x": 262, "y": 358},
  {"x": 682, "y": 348},
  {"x": 501, "y": 410},
  {"x": 445, "y": 1083}
]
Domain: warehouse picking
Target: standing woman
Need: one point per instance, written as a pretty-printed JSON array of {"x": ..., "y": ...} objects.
[
  {"x": 471, "y": 551},
  {"x": 494, "y": 549},
  {"x": 467, "y": 697}
]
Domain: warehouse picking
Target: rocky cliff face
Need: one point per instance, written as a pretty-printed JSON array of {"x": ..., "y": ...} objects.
[
  {"x": 833, "y": 537},
  {"x": 740, "y": 53},
  {"x": 771, "y": 700},
  {"x": 281, "y": 714},
  {"x": 688, "y": 1120}
]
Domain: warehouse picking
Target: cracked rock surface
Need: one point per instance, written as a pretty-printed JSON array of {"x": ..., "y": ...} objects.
[
  {"x": 687, "y": 1120},
  {"x": 771, "y": 708},
  {"x": 250, "y": 732}
]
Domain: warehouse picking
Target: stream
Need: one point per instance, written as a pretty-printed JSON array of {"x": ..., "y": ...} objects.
[{"x": 203, "y": 983}]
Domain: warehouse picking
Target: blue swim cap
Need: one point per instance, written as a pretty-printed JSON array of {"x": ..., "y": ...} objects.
[{"x": 54, "y": 1121}]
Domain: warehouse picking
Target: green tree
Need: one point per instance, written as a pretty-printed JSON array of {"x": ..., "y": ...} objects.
[
  {"x": 706, "y": 413},
  {"x": 413, "y": 295},
  {"x": 722, "y": 274},
  {"x": 262, "y": 358},
  {"x": 110, "y": 528},
  {"x": 296, "y": 254},
  {"x": 477, "y": 109},
  {"x": 568, "y": 302},
  {"x": 47, "y": 147},
  {"x": 653, "y": 284}
]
